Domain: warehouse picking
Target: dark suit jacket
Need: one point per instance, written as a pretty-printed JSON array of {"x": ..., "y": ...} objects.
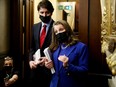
[
  {"x": 42, "y": 74},
  {"x": 35, "y": 39}
]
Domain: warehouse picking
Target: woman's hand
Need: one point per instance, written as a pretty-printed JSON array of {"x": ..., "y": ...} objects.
[
  {"x": 48, "y": 63},
  {"x": 63, "y": 59}
]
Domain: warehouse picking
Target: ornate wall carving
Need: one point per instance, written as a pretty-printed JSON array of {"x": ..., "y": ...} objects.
[{"x": 108, "y": 33}]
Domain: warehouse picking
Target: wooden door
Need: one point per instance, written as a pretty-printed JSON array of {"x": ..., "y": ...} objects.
[
  {"x": 16, "y": 32},
  {"x": 21, "y": 24},
  {"x": 90, "y": 33},
  {"x": 29, "y": 20}
]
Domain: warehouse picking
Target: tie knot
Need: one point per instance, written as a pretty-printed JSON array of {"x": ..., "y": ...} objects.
[
  {"x": 44, "y": 28},
  {"x": 44, "y": 25}
]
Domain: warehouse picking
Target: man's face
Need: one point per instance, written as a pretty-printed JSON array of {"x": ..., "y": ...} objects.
[{"x": 44, "y": 12}]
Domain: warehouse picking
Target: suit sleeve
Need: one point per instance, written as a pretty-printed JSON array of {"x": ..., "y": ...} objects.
[
  {"x": 81, "y": 67},
  {"x": 32, "y": 48}
]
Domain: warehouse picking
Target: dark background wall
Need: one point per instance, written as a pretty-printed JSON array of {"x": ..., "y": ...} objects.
[{"x": 4, "y": 29}]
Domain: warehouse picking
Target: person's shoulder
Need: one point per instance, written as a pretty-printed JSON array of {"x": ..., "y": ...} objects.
[
  {"x": 36, "y": 24},
  {"x": 81, "y": 44},
  {"x": 53, "y": 21}
]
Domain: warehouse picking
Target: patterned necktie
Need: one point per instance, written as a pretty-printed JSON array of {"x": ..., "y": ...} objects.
[{"x": 43, "y": 34}]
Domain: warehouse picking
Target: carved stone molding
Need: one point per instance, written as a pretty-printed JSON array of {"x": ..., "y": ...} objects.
[
  {"x": 108, "y": 33},
  {"x": 108, "y": 25}
]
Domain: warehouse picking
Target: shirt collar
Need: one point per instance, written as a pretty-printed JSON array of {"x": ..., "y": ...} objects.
[{"x": 47, "y": 24}]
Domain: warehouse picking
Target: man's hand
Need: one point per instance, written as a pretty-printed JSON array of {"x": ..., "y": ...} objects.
[
  {"x": 41, "y": 61},
  {"x": 32, "y": 64}
]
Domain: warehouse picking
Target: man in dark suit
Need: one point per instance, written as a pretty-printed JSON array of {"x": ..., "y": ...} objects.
[{"x": 39, "y": 73}]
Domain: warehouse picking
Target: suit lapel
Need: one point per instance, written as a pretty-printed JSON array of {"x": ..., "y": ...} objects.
[
  {"x": 69, "y": 50},
  {"x": 37, "y": 33},
  {"x": 55, "y": 56},
  {"x": 39, "y": 28}
]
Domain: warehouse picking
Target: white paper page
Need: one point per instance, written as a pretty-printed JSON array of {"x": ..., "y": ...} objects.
[
  {"x": 48, "y": 55},
  {"x": 37, "y": 55}
]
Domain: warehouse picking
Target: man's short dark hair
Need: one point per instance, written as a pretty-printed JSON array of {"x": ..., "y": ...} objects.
[{"x": 45, "y": 4}]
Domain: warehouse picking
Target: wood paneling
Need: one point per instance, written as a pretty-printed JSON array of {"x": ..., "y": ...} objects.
[
  {"x": 16, "y": 31},
  {"x": 83, "y": 21},
  {"x": 94, "y": 36},
  {"x": 90, "y": 33},
  {"x": 29, "y": 17},
  {"x": 21, "y": 24}
]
